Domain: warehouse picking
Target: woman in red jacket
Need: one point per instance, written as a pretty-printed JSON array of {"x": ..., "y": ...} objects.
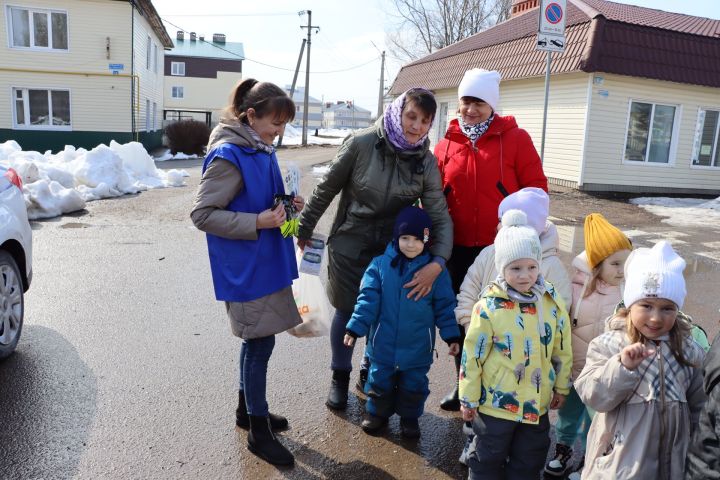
[{"x": 483, "y": 158}]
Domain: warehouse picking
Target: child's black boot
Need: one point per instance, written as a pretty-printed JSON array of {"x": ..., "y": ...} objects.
[
  {"x": 362, "y": 379},
  {"x": 558, "y": 466},
  {"x": 372, "y": 424},
  {"x": 263, "y": 443},
  {"x": 338, "y": 396},
  {"x": 409, "y": 428},
  {"x": 451, "y": 402},
  {"x": 242, "y": 419}
]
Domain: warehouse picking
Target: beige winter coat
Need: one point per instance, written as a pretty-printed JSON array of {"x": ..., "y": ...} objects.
[
  {"x": 589, "y": 315},
  {"x": 221, "y": 182},
  {"x": 645, "y": 416},
  {"x": 483, "y": 271}
]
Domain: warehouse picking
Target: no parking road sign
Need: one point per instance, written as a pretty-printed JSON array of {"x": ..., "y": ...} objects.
[{"x": 552, "y": 17}]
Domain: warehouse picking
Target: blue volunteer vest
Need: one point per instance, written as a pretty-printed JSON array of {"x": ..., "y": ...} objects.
[{"x": 244, "y": 270}]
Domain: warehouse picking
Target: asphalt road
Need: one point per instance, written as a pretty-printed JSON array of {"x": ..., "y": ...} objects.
[{"x": 127, "y": 368}]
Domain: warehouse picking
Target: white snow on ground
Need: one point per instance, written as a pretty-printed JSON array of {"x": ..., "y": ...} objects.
[
  {"x": 169, "y": 156},
  {"x": 682, "y": 212},
  {"x": 293, "y": 136},
  {"x": 335, "y": 132},
  {"x": 64, "y": 182}
]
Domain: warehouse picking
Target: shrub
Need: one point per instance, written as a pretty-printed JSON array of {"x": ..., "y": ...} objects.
[{"x": 187, "y": 136}]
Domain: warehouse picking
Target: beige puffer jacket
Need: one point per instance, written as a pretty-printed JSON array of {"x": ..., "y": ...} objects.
[
  {"x": 588, "y": 315},
  {"x": 644, "y": 417},
  {"x": 483, "y": 271}
]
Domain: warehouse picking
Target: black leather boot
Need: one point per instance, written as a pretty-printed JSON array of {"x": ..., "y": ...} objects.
[
  {"x": 338, "y": 395},
  {"x": 372, "y": 424},
  {"x": 263, "y": 443},
  {"x": 242, "y": 419},
  {"x": 450, "y": 402}
]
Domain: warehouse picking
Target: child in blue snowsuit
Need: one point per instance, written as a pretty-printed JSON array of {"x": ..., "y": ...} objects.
[{"x": 400, "y": 330}]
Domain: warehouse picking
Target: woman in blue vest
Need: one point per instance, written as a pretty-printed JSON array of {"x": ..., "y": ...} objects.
[{"x": 252, "y": 264}]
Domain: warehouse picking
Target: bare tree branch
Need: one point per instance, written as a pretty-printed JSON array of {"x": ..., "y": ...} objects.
[{"x": 424, "y": 26}]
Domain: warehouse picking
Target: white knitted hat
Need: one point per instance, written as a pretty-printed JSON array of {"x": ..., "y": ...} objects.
[
  {"x": 655, "y": 272},
  {"x": 482, "y": 84},
  {"x": 516, "y": 240},
  {"x": 531, "y": 200}
]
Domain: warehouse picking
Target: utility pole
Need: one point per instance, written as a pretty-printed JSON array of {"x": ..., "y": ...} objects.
[
  {"x": 381, "y": 95},
  {"x": 309, "y": 27},
  {"x": 294, "y": 82}
]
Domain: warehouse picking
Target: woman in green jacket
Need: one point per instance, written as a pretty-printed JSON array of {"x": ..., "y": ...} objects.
[{"x": 377, "y": 172}]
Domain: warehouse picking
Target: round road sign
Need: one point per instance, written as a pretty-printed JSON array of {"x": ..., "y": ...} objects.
[{"x": 553, "y": 13}]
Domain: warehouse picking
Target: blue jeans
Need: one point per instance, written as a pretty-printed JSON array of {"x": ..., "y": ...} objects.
[
  {"x": 341, "y": 355},
  {"x": 573, "y": 420},
  {"x": 254, "y": 357},
  {"x": 396, "y": 391}
]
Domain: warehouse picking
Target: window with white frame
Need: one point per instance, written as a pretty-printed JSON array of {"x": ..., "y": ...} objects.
[
  {"x": 178, "y": 92},
  {"x": 154, "y": 116},
  {"x": 41, "y": 108},
  {"x": 177, "y": 69},
  {"x": 147, "y": 114},
  {"x": 155, "y": 58},
  {"x": 706, "y": 148},
  {"x": 650, "y": 132},
  {"x": 148, "y": 53},
  {"x": 37, "y": 28}
]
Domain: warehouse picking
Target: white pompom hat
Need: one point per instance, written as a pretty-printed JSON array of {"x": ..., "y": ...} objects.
[
  {"x": 482, "y": 84},
  {"x": 655, "y": 272},
  {"x": 515, "y": 240}
]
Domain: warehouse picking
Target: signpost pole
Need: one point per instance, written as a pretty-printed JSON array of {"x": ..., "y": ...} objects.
[{"x": 545, "y": 108}]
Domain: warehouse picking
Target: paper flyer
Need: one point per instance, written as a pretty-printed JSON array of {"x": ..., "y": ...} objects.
[{"x": 313, "y": 254}]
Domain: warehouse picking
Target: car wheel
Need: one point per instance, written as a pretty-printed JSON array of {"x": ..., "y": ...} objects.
[{"x": 12, "y": 304}]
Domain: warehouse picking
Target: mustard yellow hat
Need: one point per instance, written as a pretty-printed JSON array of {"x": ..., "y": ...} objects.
[{"x": 602, "y": 239}]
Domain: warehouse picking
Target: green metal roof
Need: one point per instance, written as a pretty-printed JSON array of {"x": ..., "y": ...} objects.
[{"x": 207, "y": 49}]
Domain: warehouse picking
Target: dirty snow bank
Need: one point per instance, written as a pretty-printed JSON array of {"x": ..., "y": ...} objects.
[
  {"x": 64, "y": 182},
  {"x": 682, "y": 212},
  {"x": 293, "y": 136}
]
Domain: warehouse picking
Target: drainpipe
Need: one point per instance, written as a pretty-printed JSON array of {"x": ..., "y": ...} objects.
[{"x": 132, "y": 70}]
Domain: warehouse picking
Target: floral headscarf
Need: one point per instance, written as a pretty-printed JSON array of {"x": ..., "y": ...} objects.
[{"x": 392, "y": 121}]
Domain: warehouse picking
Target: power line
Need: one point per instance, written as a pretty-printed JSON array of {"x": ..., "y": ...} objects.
[
  {"x": 267, "y": 64},
  {"x": 232, "y": 14}
]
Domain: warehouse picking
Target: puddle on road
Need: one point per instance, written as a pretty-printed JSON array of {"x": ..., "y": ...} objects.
[
  {"x": 75, "y": 225},
  {"x": 702, "y": 273}
]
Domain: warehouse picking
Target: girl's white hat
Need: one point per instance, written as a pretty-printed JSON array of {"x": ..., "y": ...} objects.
[
  {"x": 531, "y": 200},
  {"x": 516, "y": 240},
  {"x": 482, "y": 84},
  {"x": 655, "y": 272}
]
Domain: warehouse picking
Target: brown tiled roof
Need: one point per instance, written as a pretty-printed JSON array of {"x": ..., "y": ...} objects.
[
  {"x": 601, "y": 36},
  {"x": 148, "y": 10}
]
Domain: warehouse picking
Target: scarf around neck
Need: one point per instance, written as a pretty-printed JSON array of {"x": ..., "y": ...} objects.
[
  {"x": 260, "y": 145},
  {"x": 392, "y": 120},
  {"x": 473, "y": 132}
]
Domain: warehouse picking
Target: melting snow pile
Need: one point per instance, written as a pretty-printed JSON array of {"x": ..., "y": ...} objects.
[
  {"x": 293, "y": 136},
  {"x": 682, "y": 212},
  {"x": 62, "y": 183}
]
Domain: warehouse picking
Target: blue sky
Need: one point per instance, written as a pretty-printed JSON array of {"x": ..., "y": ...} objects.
[{"x": 271, "y": 34}]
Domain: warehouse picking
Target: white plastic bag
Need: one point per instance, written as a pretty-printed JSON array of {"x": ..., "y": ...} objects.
[{"x": 313, "y": 305}]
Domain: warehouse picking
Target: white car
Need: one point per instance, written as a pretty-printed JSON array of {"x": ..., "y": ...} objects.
[{"x": 15, "y": 259}]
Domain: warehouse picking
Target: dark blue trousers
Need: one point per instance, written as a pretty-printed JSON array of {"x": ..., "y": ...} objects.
[
  {"x": 396, "y": 391},
  {"x": 254, "y": 357}
]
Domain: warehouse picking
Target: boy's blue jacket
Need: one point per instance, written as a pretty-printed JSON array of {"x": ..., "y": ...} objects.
[{"x": 400, "y": 330}]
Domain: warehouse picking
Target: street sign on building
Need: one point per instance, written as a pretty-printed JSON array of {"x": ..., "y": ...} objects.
[{"x": 551, "y": 26}]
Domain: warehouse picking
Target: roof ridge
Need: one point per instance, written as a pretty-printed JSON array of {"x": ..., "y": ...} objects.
[
  {"x": 586, "y": 9},
  {"x": 654, "y": 9}
]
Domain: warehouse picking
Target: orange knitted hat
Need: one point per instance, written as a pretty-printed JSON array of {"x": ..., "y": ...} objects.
[{"x": 602, "y": 239}]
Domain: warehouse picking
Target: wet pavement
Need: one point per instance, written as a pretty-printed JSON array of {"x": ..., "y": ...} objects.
[{"x": 127, "y": 369}]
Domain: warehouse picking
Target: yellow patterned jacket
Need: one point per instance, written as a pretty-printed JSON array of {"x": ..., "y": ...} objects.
[{"x": 516, "y": 354}]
